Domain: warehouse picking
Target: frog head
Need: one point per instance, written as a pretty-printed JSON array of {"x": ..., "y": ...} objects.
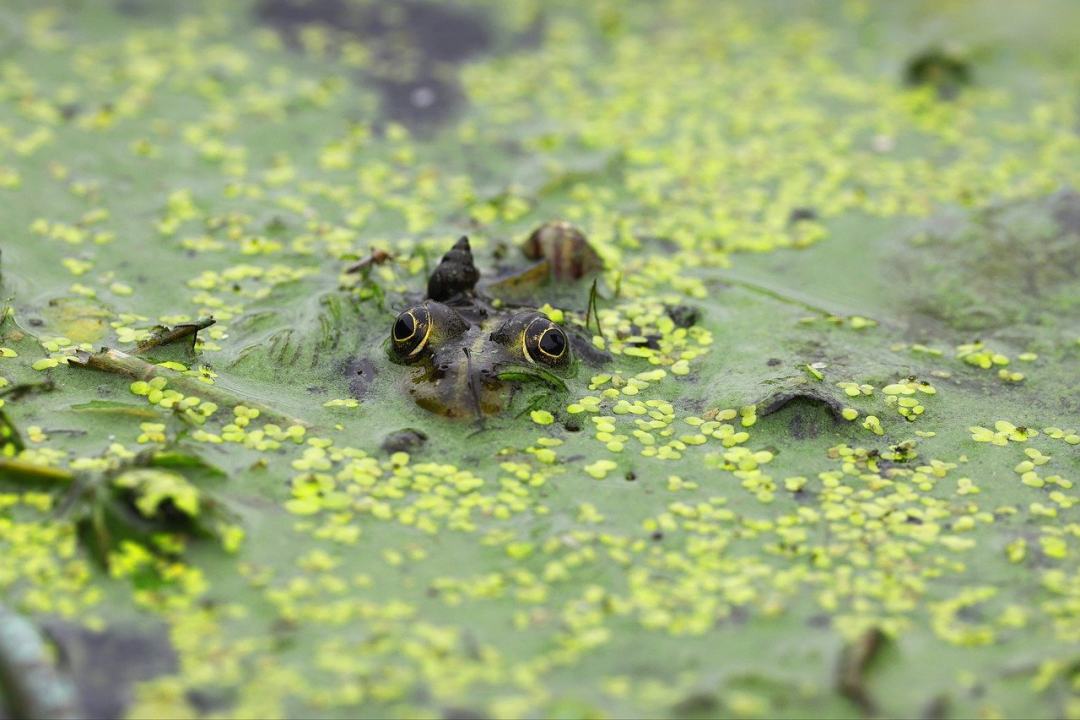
[{"x": 470, "y": 353}]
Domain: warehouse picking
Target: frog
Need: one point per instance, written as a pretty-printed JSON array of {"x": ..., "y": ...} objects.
[{"x": 469, "y": 346}]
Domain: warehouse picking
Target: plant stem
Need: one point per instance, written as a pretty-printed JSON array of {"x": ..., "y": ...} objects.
[
  {"x": 776, "y": 295},
  {"x": 120, "y": 363},
  {"x": 22, "y": 470}
]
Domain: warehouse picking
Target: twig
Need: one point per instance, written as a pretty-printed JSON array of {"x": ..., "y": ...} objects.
[
  {"x": 167, "y": 336},
  {"x": 120, "y": 363},
  {"x": 21, "y": 470},
  {"x": 377, "y": 257}
]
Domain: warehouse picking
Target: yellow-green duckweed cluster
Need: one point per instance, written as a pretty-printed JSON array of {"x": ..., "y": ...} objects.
[{"x": 698, "y": 525}]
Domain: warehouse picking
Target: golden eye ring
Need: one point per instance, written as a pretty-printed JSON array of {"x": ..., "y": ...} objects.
[
  {"x": 405, "y": 327},
  {"x": 549, "y": 345},
  {"x": 552, "y": 343}
]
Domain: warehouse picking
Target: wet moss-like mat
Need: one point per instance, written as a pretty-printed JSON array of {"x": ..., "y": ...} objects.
[{"x": 828, "y": 470}]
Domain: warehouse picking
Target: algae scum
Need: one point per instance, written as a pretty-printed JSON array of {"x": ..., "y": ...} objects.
[{"x": 828, "y": 468}]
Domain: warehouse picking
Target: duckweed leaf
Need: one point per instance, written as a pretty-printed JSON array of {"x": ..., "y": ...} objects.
[{"x": 820, "y": 454}]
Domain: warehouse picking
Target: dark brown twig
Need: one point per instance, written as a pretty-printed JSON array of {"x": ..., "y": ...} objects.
[
  {"x": 377, "y": 256},
  {"x": 167, "y": 336}
]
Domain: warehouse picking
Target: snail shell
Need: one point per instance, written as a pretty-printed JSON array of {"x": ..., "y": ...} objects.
[
  {"x": 455, "y": 275},
  {"x": 566, "y": 249}
]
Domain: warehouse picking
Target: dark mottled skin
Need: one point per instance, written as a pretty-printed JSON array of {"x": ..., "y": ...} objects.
[{"x": 470, "y": 352}]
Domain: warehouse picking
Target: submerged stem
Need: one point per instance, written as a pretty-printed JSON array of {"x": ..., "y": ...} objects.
[
  {"x": 22, "y": 470},
  {"x": 777, "y": 295},
  {"x": 120, "y": 363}
]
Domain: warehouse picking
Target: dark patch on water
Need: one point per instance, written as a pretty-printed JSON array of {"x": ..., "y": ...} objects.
[
  {"x": 683, "y": 316},
  {"x": 1010, "y": 264},
  {"x": 947, "y": 72},
  {"x": 287, "y": 15},
  {"x": 697, "y": 704},
  {"x": 208, "y": 700},
  {"x": 416, "y": 49},
  {"x": 802, "y": 425},
  {"x": 105, "y": 665},
  {"x": 802, "y": 214},
  {"x": 937, "y": 708},
  {"x": 807, "y": 412},
  {"x": 421, "y": 103},
  {"x": 361, "y": 374},
  {"x": 1065, "y": 207},
  {"x": 440, "y": 32}
]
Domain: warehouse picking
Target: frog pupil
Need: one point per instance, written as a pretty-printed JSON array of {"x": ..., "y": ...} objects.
[
  {"x": 405, "y": 327},
  {"x": 552, "y": 343}
]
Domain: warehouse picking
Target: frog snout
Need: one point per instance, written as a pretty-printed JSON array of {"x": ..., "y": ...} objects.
[
  {"x": 482, "y": 371},
  {"x": 452, "y": 393}
]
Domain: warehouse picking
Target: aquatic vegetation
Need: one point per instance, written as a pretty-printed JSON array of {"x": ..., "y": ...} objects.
[{"x": 820, "y": 448}]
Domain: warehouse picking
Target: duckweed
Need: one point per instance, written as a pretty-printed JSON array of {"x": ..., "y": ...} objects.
[{"x": 607, "y": 548}]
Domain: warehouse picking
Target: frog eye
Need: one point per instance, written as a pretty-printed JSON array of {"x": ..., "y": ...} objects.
[
  {"x": 411, "y": 332},
  {"x": 545, "y": 342},
  {"x": 422, "y": 329}
]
